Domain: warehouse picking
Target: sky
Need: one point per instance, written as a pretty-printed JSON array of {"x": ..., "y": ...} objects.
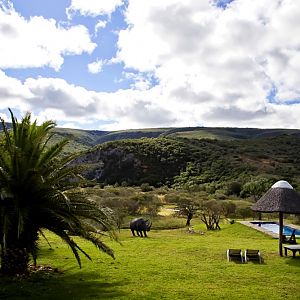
[{"x": 129, "y": 64}]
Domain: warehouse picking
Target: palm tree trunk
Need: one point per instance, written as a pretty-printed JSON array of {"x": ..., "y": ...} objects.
[{"x": 14, "y": 261}]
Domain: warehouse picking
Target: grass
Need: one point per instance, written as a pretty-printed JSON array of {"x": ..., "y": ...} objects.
[
  {"x": 170, "y": 264},
  {"x": 196, "y": 134}
]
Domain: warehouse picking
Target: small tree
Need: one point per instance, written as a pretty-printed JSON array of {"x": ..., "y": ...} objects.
[
  {"x": 146, "y": 204},
  {"x": 228, "y": 208},
  {"x": 211, "y": 214},
  {"x": 187, "y": 208}
]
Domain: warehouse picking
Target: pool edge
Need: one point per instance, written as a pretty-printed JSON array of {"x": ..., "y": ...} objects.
[{"x": 263, "y": 230}]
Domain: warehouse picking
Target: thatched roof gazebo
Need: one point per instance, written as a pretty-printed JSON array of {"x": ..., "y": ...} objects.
[{"x": 281, "y": 198}]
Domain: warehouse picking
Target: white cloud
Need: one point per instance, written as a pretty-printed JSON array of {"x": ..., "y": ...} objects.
[
  {"x": 52, "y": 98},
  {"x": 38, "y": 42},
  {"x": 214, "y": 67},
  {"x": 96, "y": 66},
  {"x": 93, "y": 7},
  {"x": 141, "y": 81},
  {"x": 217, "y": 66},
  {"x": 100, "y": 25},
  {"x": 13, "y": 93},
  {"x": 4, "y": 117}
]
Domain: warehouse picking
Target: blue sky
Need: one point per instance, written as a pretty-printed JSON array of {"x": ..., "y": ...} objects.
[
  {"x": 121, "y": 64},
  {"x": 74, "y": 70}
]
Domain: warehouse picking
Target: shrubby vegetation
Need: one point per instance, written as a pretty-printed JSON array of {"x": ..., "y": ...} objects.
[
  {"x": 239, "y": 168},
  {"x": 190, "y": 207},
  {"x": 190, "y": 173}
]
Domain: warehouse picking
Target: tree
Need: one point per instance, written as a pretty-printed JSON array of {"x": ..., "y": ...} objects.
[
  {"x": 37, "y": 190},
  {"x": 187, "y": 208},
  {"x": 211, "y": 214},
  {"x": 228, "y": 208},
  {"x": 234, "y": 188},
  {"x": 146, "y": 204},
  {"x": 256, "y": 187}
]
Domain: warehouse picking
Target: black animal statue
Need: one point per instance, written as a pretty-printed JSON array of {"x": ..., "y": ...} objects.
[{"x": 140, "y": 225}]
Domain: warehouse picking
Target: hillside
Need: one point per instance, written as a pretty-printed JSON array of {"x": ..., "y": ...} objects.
[
  {"x": 183, "y": 161},
  {"x": 207, "y": 157},
  {"x": 81, "y": 140}
]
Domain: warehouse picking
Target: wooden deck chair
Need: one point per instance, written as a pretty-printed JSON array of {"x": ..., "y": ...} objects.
[
  {"x": 234, "y": 254},
  {"x": 291, "y": 239},
  {"x": 251, "y": 254}
]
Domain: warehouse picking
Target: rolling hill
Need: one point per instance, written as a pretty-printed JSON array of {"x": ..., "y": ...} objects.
[
  {"x": 81, "y": 140},
  {"x": 185, "y": 156},
  {"x": 199, "y": 162}
]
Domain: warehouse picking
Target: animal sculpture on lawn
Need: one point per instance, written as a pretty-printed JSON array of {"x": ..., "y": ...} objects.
[{"x": 140, "y": 226}]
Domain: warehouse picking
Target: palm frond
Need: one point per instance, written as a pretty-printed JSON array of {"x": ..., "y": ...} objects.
[
  {"x": 70, "y": 242},
  {"x": 45, "y": 238},
  {"x": 39, "y": 190}
]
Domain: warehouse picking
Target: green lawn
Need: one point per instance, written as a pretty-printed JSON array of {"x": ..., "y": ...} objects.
[{"x": 170, "y": 264}]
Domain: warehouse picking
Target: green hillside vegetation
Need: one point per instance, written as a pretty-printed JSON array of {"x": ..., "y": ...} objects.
[
  {"x": 130, "y": 134},
  {"x": 81, "y": 140},
  {"x": 205, "y": 164},
  {"x": 230, "y": 133},
  {"x": 146, "y": 160},
  {"x": 187, "y": 157}
]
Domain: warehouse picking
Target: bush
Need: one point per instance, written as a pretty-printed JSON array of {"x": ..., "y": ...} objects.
[
  {"x": 147, "y": 204},
  {"x": 245, "y": 212},
  {"x": 145, "y": 187},
  {"x": 234, "y": 188},
  {"x": 228, "y": 208}
]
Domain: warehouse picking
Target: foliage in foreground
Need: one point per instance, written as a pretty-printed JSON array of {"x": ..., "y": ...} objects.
[{"x": 37, "y": 192}]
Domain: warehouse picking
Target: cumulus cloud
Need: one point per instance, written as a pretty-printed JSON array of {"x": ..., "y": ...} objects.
[
  {"x": 96, "y": 66},
  {"x": 75, "y": 106},
  {"x": 93, "y": 8},
  {"x": 141, "y": 81},
  {"x": 191, "y": 63},
  {"x": 53, "y": 98},
  {"x": 100, "y": 25},
  {"x": 222, "y": 59},
  {"x": 38, "y": 42},
  {"x": 4, "y": 117},
  {"x": 13, "y": 93}
]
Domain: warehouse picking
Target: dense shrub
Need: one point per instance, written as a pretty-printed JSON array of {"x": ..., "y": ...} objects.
[
  {"x": 145, "y": 187},
  {"x": 234, "y": 188}
]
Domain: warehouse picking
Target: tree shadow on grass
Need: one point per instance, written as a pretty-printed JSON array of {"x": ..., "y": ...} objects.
[{"x": 60, "y": 286}]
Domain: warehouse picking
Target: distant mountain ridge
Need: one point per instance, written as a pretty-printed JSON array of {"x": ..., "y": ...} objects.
[
  {"x": 84, "y": 139},
  {"x": 81, "y": 139}
]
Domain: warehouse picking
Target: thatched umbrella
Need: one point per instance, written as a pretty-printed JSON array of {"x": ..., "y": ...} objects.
[{"x": 281, "y": 198}]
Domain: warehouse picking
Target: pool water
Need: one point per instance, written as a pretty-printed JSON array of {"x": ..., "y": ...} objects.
[{"x": 274, "y": 227}]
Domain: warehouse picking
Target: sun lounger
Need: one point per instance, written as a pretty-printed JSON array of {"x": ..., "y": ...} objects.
[
  {"x": 291, "y": 239},
  {"x": 234, "y": 254},
  {"x": 251, "y": 254}
]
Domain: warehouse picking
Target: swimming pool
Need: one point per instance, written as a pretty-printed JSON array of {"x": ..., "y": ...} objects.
[{"x": 274, "y": 227}]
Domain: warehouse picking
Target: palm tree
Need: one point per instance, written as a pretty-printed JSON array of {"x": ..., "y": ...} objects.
[{"x": 38, "y": 191}]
